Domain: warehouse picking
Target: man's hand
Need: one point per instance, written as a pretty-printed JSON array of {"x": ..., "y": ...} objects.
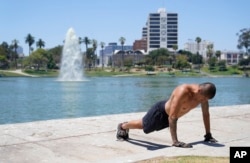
[{"x": 208, "y": 138}]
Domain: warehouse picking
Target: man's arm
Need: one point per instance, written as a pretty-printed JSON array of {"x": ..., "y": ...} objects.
[
  {"x": 176, "y": 101},
  {"x": 206, "y": 116},
  {"x": 206, "y": 120},
  {"x": 173, "y": 127}
]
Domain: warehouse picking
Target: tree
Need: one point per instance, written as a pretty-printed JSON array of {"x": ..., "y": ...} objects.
[
  {"x": 15, "y": 46},
  {"x": 212, "y": 63},
  {"x": 218, "y": 53},
  {"x": 181, "y": 62},
  {"x": 175, "y": 47},
  {"x": 122, "y": 41},
  {"x": 198, "y": 40},
  {"x": 244, "y": 39},
  {"x": 5, "y": 50},
  {"x": 86, "y": 41},
  {"x": 30, "y": 41},
  {"x": 102, "y": 46},
  {"x": 40, "y": 43},
  {"x": 210, "y": 50},
  {"x": 3, "y": 58},
  {"x": 158, "y": 56},
  {"x": 56, "y": 54},
  {"x": 94, "y": 45},
  {"x": 39, "y": 58}
]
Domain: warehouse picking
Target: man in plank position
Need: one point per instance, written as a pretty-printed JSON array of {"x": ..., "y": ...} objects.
[{"x": 166, "y": 113}]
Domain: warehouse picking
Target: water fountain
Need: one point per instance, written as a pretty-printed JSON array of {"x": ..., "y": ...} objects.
[{"x": 71, "y": 68}]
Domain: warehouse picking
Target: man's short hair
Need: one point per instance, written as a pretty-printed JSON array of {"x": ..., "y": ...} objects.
[{"x": 208, "y": 89}]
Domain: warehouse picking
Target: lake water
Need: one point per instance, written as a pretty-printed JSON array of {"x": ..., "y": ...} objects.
[{"x": 32, "y": 99}]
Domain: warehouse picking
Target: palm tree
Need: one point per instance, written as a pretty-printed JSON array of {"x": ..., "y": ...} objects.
[
  {"x": 15, "y": 46},
  {"x": 198, "y": 40},
  {"x": 40, "y": 43},
  {"x": 210, "y": 50},
  {"x": 218, "y": 54},
  {"x": 30, "y": 41},
  {"x": 122, "y": 41},
  {"x": 94, "y": 44},
  {"x": 86, "y": 41},
  {"x": 102, "y": 46}
]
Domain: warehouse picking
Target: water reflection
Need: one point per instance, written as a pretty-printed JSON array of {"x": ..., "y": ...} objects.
[
  {"x": 70, "y": 98},
  {"x": 32, "y": 99}
]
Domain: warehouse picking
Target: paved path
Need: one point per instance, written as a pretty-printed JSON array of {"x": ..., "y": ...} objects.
[
  {"x": 92, "y": 139},
  {"x": 19, "y": 71}
]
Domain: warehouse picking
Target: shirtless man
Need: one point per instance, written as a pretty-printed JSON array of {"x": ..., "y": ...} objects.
[{"x": 166, "y": 113}]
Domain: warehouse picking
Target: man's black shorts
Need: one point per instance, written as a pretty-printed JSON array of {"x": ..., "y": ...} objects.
[{"x": 156, "y": 118}]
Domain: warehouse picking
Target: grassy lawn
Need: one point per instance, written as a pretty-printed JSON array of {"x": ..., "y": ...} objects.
[
  {"x": 187, "y": 159},
  {"x": 110, "y": 72},
  {"x": 48, "y": 73},
  {"x": 230, "y": 71}
]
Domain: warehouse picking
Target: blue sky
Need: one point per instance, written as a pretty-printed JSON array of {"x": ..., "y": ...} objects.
[{"x": 107, "y": 20}]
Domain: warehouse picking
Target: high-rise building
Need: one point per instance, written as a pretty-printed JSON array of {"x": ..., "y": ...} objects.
[{"x": 162, "y": 30}]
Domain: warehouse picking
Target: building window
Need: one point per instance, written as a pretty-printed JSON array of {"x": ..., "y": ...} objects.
[
  {"x": 154, "y": 23},
  {"x": 154, "y": 26},
  {"x": 154, "y": 46},
  {"x": 152, "y": 19}
]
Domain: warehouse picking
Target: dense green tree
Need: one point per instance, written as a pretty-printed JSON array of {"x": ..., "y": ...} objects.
[
  {"x": 196, "y": 59},
  {"x": 244, "y": 39},
  {"x": 158, "y": 57},
  {"x": 30, "y": 41},
  {"x": 222, "y": 65},
  {"x": 187, "y": 53},
  {"x": 3, "y": 58},
  {"x": 181, "y": 62},
  {"x": 5, "y": 50},
  {"x": 56, "y": 54},
  {"x": 39, "y": 58},
  {"x": 212, "y": 63}
]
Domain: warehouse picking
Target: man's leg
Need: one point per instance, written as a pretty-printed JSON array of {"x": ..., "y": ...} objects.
[
  {"x": 123, "y": 128},
  {"x": 134, "y": 124}
]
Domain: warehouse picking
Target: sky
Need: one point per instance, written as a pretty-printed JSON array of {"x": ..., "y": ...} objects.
[{"x": 106, "y": 21}]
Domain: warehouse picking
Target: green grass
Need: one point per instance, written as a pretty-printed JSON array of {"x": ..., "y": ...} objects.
[
  {"x": 187, "y": 159},
  {"x": 49, "y": 73},
  {"x": 111, "y": 72},
  {"x": 230, "y": 71}
]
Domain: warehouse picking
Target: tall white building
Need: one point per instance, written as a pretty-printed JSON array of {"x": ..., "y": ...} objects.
[
  {"x": 193, "y": 47},
  {"x": 162, "y": 30}
]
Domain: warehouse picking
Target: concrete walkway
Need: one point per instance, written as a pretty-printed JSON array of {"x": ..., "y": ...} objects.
[
  {"x": 19, "y": 71},
  {"x": 93, "y": 139}
]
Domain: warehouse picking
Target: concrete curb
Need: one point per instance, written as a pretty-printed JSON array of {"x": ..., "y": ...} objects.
[{"x": 92, "y": 139}]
